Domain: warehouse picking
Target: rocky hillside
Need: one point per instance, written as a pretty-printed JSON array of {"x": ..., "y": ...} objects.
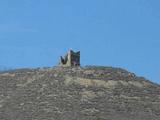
[{"x": 81, "y": 93}]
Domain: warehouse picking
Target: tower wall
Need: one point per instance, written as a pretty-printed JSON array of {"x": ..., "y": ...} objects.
[{"x": 70, "y": 59}]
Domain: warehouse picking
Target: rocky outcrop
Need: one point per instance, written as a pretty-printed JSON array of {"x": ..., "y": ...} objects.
[{"x": 77, "y": 93}]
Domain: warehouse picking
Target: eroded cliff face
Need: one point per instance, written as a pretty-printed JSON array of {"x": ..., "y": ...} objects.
[{"x": 79, "y": 93}]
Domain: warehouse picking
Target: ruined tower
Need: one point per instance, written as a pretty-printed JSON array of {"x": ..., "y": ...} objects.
[{"x": 70, "y": 59}]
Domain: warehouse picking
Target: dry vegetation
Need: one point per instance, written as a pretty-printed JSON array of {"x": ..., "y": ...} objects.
[{"x": 78, "y": 93}]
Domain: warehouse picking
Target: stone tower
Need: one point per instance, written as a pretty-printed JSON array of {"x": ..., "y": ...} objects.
[{"x": 70, "y": 59}]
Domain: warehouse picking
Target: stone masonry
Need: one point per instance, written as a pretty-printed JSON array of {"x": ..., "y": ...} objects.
[{"x": 70, "y": 59}]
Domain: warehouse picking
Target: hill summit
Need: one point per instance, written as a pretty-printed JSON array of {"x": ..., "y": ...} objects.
[{"x": 77, "y": 93}]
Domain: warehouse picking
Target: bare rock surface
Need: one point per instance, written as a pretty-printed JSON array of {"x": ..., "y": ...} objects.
[{"x": 77, "y": 93}]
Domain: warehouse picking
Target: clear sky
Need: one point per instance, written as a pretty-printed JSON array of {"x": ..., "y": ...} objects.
[{"x": 119, "y": 33}]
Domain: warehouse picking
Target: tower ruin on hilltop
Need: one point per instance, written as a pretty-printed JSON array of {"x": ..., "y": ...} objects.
[{"x": 70, "y": 59}]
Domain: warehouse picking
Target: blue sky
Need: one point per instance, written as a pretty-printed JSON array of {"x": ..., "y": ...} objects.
[{"x": 119, "y": 33}]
